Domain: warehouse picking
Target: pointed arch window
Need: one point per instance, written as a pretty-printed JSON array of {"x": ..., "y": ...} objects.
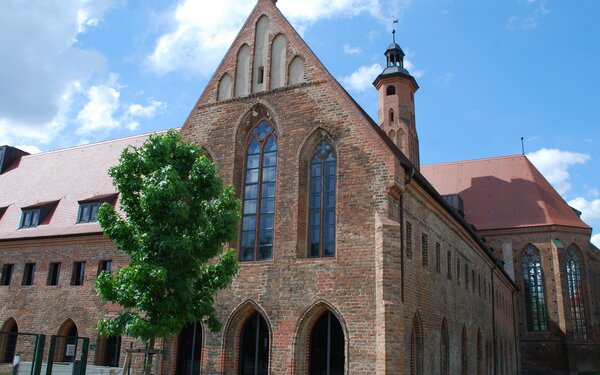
[
  {"x": 479, "y": 354},
  {"x": 259, "y": 194},
  {"x": 533, "y": 282},
  {"x": 416, "y": 347},
  {"x": 444, "y": 350},
  {"x": 8, "y": 341},
  {"x": 327, "y": 346},
  {"x": 254, "y": 345},
  {"x": 576, "y": 294},
  {"x": 464, "y": 353},
  {"x": 321, "y": 227}
]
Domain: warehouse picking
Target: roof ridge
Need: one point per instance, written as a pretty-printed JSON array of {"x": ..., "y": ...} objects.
[
  {"x": 76, "y": 147},
  {"x": 475, "y": 160}
]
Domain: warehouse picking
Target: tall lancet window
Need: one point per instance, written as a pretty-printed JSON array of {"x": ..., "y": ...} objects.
[
  {"x": 533, "y": 282},
  {"x": 259, "y": 194},
  {"x": 321, "y": 227},
  {"x": 576, "y": 299}
]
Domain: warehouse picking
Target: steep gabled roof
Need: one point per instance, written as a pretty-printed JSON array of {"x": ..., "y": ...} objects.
[
  {"x": 503, "y": 192},
  {"x": 65, "y": 176}
]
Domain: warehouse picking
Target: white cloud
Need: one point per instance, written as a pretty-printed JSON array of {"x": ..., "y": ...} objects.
[
  {"x": 352, "y": 50},
  {"x": 445, "y": 79},
  {"x": 554, "y": 164},
  {"x": 97, "y": 114},
  {"x": 104, "y": 112},
  {"x": 200, "y": 31},
  {"x": 408, "y": 65},
  {"x": 590, "y": 209},
  {"x": 149, "y": 111},
  {"x": 363, "y": 78},
  {"x": 42, "y": 68},
  {"x": 533, "y": 11},
  {"x": 596, "y": 240}
]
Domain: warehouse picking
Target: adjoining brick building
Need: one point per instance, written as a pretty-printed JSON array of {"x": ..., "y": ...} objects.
[{"x": 351, "y": 262}]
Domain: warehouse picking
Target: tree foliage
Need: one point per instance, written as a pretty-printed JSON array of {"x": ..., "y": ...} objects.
[{"x": 178, "y": 216}]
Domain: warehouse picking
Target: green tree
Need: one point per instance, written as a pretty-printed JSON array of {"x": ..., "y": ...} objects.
[{"x": 177, "y": 218}]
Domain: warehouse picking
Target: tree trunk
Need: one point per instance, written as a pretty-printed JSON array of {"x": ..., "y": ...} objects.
[{"x": 148, "y": 367}]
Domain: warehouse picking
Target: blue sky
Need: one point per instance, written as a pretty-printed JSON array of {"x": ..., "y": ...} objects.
[{"x": 490, "y": 72}]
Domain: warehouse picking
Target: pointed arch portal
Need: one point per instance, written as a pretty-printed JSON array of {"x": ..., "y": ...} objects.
[
  {"x": 254, "y": 346},
  {"x": 189, "y": 350},
  {"x": 327, "y": 346}
]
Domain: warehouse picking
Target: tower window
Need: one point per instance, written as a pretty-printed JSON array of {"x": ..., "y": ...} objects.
[
  {"x": 391, "y": 115},
  {"x": 390, "y": 90}
]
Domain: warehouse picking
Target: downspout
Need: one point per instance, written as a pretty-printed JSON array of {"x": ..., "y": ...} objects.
[
  {"x": 494, "y": 321},
  {"x": 517, "y": 351},
  {"x": 402, "y": 247}
]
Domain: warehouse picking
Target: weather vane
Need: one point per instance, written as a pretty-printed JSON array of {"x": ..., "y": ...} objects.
[{"x": 394, "y": 29}]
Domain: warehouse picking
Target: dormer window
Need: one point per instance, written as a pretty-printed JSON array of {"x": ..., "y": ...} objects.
[
  {"x": 88, "y": 212},
  {"x": 88, "y": 208},
  {"x": 30, "y": 218},
  {"x": 2, "y": 211},
  {"x": 37, "y": 214}
]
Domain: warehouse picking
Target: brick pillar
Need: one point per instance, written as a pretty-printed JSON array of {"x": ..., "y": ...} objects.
[{"x": 389, "y": 322}]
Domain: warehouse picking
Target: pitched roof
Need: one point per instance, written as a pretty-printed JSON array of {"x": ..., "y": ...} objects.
[
  {"x": 65, "y": 176},
  {"x": 502, "y": 192}
]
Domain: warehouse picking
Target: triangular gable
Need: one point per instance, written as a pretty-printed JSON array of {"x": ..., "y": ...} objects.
[{"x": 228, "y": 70}]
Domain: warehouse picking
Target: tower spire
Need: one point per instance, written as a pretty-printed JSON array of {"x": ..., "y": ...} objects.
[{"x": 396, "y": 112}]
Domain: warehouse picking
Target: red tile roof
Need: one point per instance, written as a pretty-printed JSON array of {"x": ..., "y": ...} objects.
[
  {"x": 67, "y": 176},
  {"x": 502, "y": 192}
]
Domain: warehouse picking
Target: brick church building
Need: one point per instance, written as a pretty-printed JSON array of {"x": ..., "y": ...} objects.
[{"x": 354, "y": 259}]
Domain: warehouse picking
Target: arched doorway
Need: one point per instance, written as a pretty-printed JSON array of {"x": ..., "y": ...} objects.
[
  {"x": 8, "y": 341},
  {"x": 189, "y": 349},
  {"x": 327, "y": 346},
  {"x": 66, "y": 344},
  {"x": 254, "y": 346}
]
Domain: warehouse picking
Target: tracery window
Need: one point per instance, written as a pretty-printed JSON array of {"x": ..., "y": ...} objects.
[
  {"x": 259, "y": 194},
  {"x": 321, "y": 225},
  {"x": 576, "y": 294},
  {"x": 533, "y": 281}
]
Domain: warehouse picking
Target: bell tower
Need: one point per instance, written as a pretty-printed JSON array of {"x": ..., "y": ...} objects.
[{"x": 396, "y": 91}]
